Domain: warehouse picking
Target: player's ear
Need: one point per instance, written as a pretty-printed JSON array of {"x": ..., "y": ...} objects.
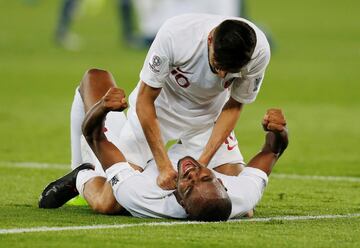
[
  {"x": 210, "y": 39},
  {"x": 182, "y": 203}
]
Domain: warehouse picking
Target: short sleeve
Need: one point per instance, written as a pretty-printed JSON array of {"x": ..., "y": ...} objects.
[
  {"x": 158, "y": 60},
  {"x": 246, "y": 88},
  {"x": 245, "y": 190},
  {"x": 139, "y": 194}
]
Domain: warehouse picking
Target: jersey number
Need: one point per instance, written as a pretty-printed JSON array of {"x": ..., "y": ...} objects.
[{"x": 181, "y": 80}]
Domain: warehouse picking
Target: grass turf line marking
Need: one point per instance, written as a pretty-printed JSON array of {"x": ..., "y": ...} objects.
[
  {"x": 309, "y": 177},
  {"x": 35, "y": 165},
  {"x": 122, "y": 226}
]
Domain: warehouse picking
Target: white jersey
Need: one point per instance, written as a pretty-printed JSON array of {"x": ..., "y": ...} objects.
[
  {"x": 142, "y": 197},
  {"x": 178, "y": 63},
  {"x": 244, "y": 190}
]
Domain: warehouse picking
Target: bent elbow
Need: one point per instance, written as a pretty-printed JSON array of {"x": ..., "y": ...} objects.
[
  {"x": 90, "y": 139},
  {"x": 85, "y": 131},
  {"x": 88, "y": 135}
]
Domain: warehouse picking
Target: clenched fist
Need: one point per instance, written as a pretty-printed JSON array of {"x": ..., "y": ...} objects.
[
  {"x": 274, "y": 120},
  {"x": 114, "y": 100},
  {"x": 167, "y": 179},
  {"x": 277, "y": 136}
]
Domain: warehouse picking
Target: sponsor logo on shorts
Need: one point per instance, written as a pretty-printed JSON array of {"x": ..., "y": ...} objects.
[
  {"x": 155, "y": 63},
  {"x": 231, "y": 142}
]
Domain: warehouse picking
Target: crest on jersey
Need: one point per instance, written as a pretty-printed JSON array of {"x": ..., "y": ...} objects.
[{"x": 155, "y": 63}]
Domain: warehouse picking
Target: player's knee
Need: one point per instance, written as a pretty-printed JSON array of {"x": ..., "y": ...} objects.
[
  {"x": 106, "y": 203},
  {"x": 96, "y": 82},
  {"x": 94, "y": 76},
  {"x": 96, "y": 72}
]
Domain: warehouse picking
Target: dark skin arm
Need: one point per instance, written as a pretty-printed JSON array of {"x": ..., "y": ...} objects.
[
  {"x": 276, "y": 141},
  {"x": 224, "y": 125},
  {"x": 145, "y": 110},
  {"x": 93, "y": 127}
]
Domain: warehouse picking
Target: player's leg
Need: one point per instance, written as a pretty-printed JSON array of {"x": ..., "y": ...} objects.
[
  {"x": 93, "y": 187},
  {"x": 97, "y": 191},
  {"x": 93, "y": 86},
  {"x": 92, "y": 184},
  {"x": 63, "y": 36},
  {"x": 77, "y": 116},
  {"x": 66, "y": 14},
  {"x": 99, "y": 195},
  {"x": 88, "y": 182}
]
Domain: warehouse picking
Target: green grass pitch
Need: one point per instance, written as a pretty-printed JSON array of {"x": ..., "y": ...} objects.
[{"x": 314, "y": 76}]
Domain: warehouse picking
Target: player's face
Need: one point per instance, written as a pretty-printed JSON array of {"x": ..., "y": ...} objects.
[{"x": 195, "y": 181}]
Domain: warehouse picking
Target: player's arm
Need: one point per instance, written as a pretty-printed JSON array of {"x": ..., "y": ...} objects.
[
  {"x": 243, "y": 91},
  {"x": 276, "y": 141},
  {"x": 224, "y": 125},
  {"x": 146, "y": 112},
  {"x": 93, "y": 127}
]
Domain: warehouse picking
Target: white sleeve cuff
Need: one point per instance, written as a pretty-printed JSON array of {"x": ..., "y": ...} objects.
[
  {"x": 250, "y": 171},
  {"x": 119, "y": 172}
]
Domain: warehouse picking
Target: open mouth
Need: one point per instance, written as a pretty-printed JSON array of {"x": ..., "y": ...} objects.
[{"x": 187, "y": 166}]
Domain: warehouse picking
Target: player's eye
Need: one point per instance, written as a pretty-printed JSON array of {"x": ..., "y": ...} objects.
[{"x": 206, "y": 178}]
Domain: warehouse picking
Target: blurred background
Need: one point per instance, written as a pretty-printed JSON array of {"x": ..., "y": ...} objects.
[{"x": 46, "y": 46}]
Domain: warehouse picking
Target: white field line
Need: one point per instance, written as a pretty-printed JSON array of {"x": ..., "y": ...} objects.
[
  {"x": 35, "y": 165},
  {"x": 178, "y": 223},
  {"x": 321, "y": 178}
]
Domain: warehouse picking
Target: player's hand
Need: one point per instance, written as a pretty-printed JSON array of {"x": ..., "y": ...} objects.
[
  {"x": 167, "y": 179},
  {"x": 114, "y": 100},
  {"x": 277, "y": 136},
  {"x": 274, "y": 120}
]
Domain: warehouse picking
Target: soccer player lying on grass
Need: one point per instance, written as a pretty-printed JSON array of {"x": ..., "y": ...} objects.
[{"x": 199, "y": 191}]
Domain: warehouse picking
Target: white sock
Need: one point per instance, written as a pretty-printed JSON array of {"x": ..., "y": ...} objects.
[
  {"x": 77, "y": 117},
  {"x": 83, "y": 177}
]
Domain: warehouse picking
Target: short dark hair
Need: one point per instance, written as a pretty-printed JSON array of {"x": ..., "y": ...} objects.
[
  {"x": 212, "y": 210},
  {"x": 234, "y": 44}
]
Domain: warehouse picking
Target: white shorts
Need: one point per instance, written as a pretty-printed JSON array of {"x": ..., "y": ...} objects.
[{"x": 132, "y": 142}]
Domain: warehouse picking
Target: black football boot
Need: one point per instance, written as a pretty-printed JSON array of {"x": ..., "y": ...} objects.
[{"x": 57, "y": 193}]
